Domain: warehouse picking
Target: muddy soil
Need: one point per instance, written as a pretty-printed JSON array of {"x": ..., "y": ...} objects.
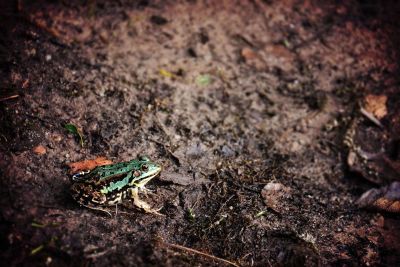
[{"x": 233, "y": 98}]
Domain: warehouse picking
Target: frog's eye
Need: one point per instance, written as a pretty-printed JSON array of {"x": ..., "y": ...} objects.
[
  {"x": 136, "y": 173},
  {"x": 145, "y": 168}
]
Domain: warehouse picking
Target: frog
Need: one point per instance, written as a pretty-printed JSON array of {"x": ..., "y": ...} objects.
[{"x": 110, "y": 185}]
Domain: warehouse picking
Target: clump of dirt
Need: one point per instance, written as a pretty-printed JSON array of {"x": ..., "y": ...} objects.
[{"x": 227, "y": 97}]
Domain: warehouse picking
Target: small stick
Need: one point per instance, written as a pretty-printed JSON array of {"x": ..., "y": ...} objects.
[
  {"x": 200, "y": 253},
  {"x": 8, "y": 97},
  {"x": 371, "y": 117},
  {"x": 99, "y": 254}
]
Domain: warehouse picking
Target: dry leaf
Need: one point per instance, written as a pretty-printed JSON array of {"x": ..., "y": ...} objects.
[
  {"x": 386, "y": 198},
  {"x": 39, "y": 150},
  {"x": 279, "y": 51},
  {"x": 167, "y": 74},
  {"x": 203, "y": 80},
  {"x": 376, "y": 104},
  {"x": 90, "y": 164},
  {"x": 248, "y": 54},
  {"x": 74, "y": 130},
  {"x": 252, "y": 58}
]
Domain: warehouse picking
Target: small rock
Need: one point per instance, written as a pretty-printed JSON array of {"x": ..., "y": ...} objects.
[
  {"x": 296, "y": 146},
  {"x": 39, "y": 150},
  {"x": 93, "y": 126},
  {"x": 226, "y": 151},
  {"x": 48, "y": 57},
  {"x": 195, "y": 150},
  {"x": 57, "y": 137},
  {"x": 273, "y": 193},
  {"x": 31, "y": 52}
]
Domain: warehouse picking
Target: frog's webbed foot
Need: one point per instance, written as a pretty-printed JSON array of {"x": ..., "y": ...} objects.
[{"x": 141, "y": 204}]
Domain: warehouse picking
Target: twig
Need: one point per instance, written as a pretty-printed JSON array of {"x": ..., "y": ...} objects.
[
  {"x": 8, "y": 97},
  {"x": 371, "y": 117},
  {"x": 53, "y": 32},
  {"x": 242, "y": 186},
  {"x": 99, "y": 254},
  {"x": 37, "y": 249},
  {"x": 200, "y": 253},
  {"x": 224, "y": 204}
]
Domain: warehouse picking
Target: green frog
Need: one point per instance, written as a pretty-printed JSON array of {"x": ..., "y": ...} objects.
[{"x": 109, "y": 185}]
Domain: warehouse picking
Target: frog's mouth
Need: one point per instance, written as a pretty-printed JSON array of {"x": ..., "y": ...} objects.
[{"x": 149, "y": 175}]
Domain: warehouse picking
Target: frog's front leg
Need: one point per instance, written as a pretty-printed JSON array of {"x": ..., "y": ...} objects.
[
  {"x": 146, "y": 191},
  {"x": 140, "y": 203}
]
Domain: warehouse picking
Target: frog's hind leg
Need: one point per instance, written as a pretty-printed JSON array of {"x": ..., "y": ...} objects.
[{"x": 140, "y": 203}]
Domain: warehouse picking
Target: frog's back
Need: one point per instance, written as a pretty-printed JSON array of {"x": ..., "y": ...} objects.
[{"x": 109, "y": 171}]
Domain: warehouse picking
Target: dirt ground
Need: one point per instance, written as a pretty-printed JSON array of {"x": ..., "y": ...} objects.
[{"x": 232, "y": 98}]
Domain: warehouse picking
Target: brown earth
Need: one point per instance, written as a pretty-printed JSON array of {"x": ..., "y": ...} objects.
[{"x": 228, "y": 96}]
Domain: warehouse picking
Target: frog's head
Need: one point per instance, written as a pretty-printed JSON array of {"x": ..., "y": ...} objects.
[{"x": 145, "y": 171}]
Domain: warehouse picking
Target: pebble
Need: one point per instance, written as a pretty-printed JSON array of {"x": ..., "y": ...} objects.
[
  {"x": 57, "y": 137},
  {"x": 195, "y": 150},
  {"x": 226, "y": 151},
  {"x": 273, "y": 193},
  {"x": 39, "y": 150}
]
